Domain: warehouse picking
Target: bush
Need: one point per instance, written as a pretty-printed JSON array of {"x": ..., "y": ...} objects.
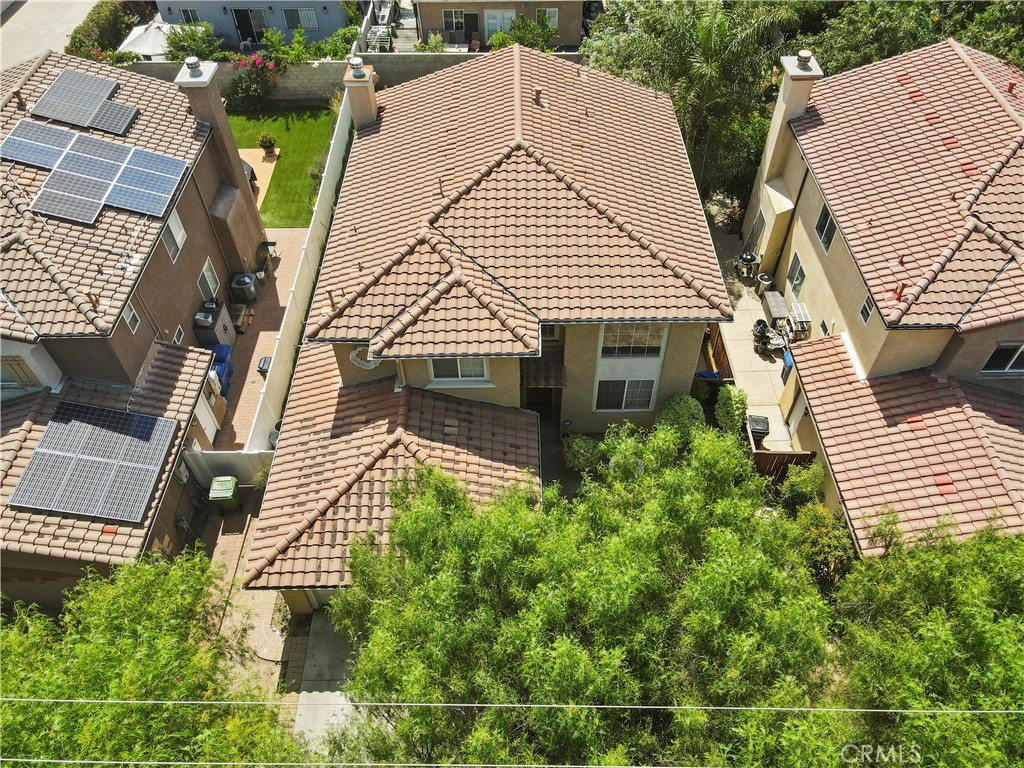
[
  {"x": 104, "y": 28},
  {"x": 249, "y": 91},
  {"x": 731, "y": 409},
  {"x": 525, "y": 32},
  {"x": 825, "y": 542},
  {"x": 435, "y": 44},
  {"x": 581, "y": 453},
  {"x": 298, "y": 51},
  {"x": 801, "y": 486},
  {"x": 184, "y": 40},
  {"x": 684, "y": 414},
  {"x": 337, "y": 46}
]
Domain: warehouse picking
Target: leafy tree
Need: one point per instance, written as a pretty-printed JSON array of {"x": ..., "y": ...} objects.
[
  {"x": 184, "y": 40},
  {"x": 337, "y": 46},
  {"x": 435, "y": 44},
  {"x": 659, "y": 586},
  {"x": 731, "y": 408},
  {"x": 715, "y": 60},
  {"x": 298, "y": 51},
  {"x": 939, "y": 625},
  {"x": 801, "y": 486},
  {"x": 683, "y": 413},
  {"x": 149, "y": 631},
  {"x": 526, "y": 32},
  {"x": 825, "y": 542}
]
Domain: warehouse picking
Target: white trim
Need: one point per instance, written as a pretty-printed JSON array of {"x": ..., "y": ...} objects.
[
  {"x": 1006, "y": 370},
  {"x": 461, "y": 381},
  {"x": 131, "y": 318},
  {"x": 625, "y": 391},
  {"x": 179, "y": 335},
  {"x": 204, "y": 277},
  {"x": 797, "y": 280},
  {"x": 173, "y": 236},
  {"x": 866, "y": 309}
]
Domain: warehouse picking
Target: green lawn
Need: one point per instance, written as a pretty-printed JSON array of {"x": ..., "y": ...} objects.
[{"x": 303, "y": 136}]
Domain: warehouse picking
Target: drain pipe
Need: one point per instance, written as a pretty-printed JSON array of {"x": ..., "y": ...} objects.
[{"x": 400, "y": 382}]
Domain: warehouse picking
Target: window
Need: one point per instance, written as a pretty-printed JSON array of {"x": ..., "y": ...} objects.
[
  {"x": 549, "y": 332},
  {"x": 624, "y": 395},
  {"x": 497, "y": 20},
  {"x": 459, "y": 368},
  {"x": 795, "y": 276},
  {"x": 259, "y": 23},
  {"x": 454, "y": 20},
  {"x": 754, "y": 238},
  {"x": 178, "y": 336},
  {"x": 1008, "y": 358},
  {"x": 300, "y": 18},
  {"x": 131, "y": 317},
  {"x": 824, "y": 328},
  {"x": 173, "y": 236},
  {"x": 209, "y": 283},
  {"x": 15, "y": 373},
  {"x": 632, "y": 339},
  {"x": 826, "y": 228},
  {"x": 190, "y": 16},
  {"x": 550, "y": 15},
  {"x": 866, "y": 309}
]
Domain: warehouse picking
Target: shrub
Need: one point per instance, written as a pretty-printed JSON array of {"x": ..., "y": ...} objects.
[
  {"x": 731, "y": 409},
  {"x": 199, "y": 40},
  {"x": 337, "y": 46},
  {"x": 801, "y": 486},
  {"x": 581, "y": 453},
  {"x": 298, "y": 51},
  {"x": 248, "y": 91},
  {"x": 825, "y": 542},
  {"x": 435, "y": 44},
  {"x": 525, "y": 32},
  {"x": 104, "y": 28},
  {"x": 684, "y": 414}
]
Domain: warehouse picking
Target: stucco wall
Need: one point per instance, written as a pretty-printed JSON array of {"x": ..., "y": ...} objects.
[
  {"x": 570, "y": 17},
  {"x": 504, "y": 379},
  {"x": 39, "y": 579},
  {"x": 220, "y": 15},
  {"x": 966, "y": 353}
]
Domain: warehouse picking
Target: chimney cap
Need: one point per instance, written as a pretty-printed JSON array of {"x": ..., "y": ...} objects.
[
  {"x": 803, "y": 58},
  {"x": 193, "y": 63},
  {"x": 356, "y": 63}
]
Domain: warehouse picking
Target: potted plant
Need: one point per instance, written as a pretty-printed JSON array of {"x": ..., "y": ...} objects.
[{"x": 268, "y": 142}]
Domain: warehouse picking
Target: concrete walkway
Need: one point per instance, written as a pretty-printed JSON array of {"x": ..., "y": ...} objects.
[
  {"x": 760, "y": 376},
  {"x": 321, "y": 705},
  {"x": 31, "y": 27}
]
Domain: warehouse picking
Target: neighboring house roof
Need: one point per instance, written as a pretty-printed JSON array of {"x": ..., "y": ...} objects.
[
  {"x": 919, "y": 158},
  {"x": 929, "y": 448},
  {"x": 477, "y": 208},
  {"x": 341, "y": 448},
  {"x": 170, "y": 389},
  {"x": 61, "y": 278}
]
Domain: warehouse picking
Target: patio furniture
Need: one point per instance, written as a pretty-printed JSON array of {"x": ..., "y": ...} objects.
[
  {"x": 474, "y": 43},
  {"x": 775, "y": 308}
]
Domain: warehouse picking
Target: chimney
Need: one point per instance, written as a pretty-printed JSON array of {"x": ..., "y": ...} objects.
[
  {"x": 362, "y": 99},
  {"x": 799, "y": 73}
]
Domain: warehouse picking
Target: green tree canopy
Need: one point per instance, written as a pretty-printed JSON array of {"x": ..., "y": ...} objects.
[
  {"x": 526, "y": 32},
  {"x": 184, "y": 40},
  {"x": 150, "y": 631}
]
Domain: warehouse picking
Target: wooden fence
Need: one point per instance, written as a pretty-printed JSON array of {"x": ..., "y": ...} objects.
[
  {"x": 719, "y": 354},
  {"x": 775, "y": 464}
]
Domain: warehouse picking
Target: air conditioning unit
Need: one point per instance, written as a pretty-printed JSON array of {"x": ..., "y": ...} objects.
[{"x": 181, "y": 473}]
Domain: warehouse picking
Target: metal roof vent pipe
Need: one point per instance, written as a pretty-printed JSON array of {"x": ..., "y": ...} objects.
[{"x": 359, "y": 88}]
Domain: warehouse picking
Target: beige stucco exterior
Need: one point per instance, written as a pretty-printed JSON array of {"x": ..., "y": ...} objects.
[
  {"x": 503, "y": 376},
  {"x": 570, "y": 17}
]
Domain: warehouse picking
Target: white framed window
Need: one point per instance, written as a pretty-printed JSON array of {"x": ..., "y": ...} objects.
[
  {"x": 497, "y": 20},
  {"x": 454, "y": 20},
  {"x": 190, "y": 16},
  {"x": 624, "y": 395},
  {"x": 259, "y": 22},
  {"x": 301, "y": 18},
  {"x": 550, "y": 15},
  {"x": 173, "y": 236},
  {"x": 824, "y": 328},
  {"x": 632, "y": 339},
  {"x": 795, "y": 276},
  {"x": 208, "y": 281},
  {"x": 825, "y": 228},
  {"x": 179, "y": 335},
  {"x": 866, "y": 309},
  {"x": 15, "y": 373},
  {"x": 1008, "y": 358},
  {"x": 549, "y": 332},
  {"x": 131, "y": 317},
  {"x": 473, "y": 369}
]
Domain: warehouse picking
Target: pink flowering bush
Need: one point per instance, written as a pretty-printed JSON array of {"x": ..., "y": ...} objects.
[{"x": 256, "y": 82}]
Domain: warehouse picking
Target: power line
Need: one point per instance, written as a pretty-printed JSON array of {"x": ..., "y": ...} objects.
[{"x": 480, "y": 705}]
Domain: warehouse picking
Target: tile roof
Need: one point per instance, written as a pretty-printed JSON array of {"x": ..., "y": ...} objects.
[
  {"x": 930, "y": 448},
  {"x": 60, "y": 278},
  {"x": 170, "y": 389},
  {"x": 340, "y": 449},
  {"x": 576, "y": 204},
  {"x": 917, "y": 155}
]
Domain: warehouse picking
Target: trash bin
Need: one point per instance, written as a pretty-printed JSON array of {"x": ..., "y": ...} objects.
[
  {"x": 224, "y": 493},
  {"x": 758, "y": 427},
  {"x": 764, "y": 283}
]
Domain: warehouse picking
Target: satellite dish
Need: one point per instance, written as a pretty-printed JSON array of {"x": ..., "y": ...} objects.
[{"x": 360, "y": 356}]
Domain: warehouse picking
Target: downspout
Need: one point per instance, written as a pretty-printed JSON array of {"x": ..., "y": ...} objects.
[
  {"x": 789, "y": 226},
  {"x": 400, "y": 382}
]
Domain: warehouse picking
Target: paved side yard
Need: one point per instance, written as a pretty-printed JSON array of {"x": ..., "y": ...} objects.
[{"x": 31, "y": 27}]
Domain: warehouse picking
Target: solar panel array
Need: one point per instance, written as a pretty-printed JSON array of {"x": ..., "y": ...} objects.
[
  {"x": 96, "y": 462},
  {"x": 81, "y": 99},
  {"x": 89, "y": 172}
]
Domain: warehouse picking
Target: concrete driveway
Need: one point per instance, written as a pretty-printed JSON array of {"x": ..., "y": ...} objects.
[{"x": 30, "y": 27}]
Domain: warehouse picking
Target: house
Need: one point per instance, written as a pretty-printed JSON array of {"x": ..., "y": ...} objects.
[
  {"x": 547, "y": 252},
  {"x": 125, "y": 208},
  {"x": 889, "y": 205},
  {"x": 237, "y": 23},
  {"x": 457, "y": 22}
]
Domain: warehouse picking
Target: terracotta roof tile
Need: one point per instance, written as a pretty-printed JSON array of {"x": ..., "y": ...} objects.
[
  {"x": 341, "y": 447},
  {"x": 927, "y": 447},
  {"x": 170, "y": 389},
  {"x": 549, "y": 197},
  {"x": 53, "y": 269},
  {"x": 901, "y": 149}
]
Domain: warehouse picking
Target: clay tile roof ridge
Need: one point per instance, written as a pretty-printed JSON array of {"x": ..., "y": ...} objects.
[
  {"x": 470, "y": 184},
  {"x": 316, "y": 513},
  {"x": 990, "y": 450},
  {"x": 405, "y": 319},
  {"x": 36, "y": 63},
  {"x": 989, "y": 176},
  {"x": 628, "y": 229},
  {"x": 988, "y": 84},
  {"x": 81, "y": 303},
  {"x": 912, "y": 294}
]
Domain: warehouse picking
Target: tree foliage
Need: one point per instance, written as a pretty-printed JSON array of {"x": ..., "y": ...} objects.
[
  {"x": 731, "y": 408},
  {"x": 532, "y": 34},
  {"x": 683, "y": 413},
  {"x": 150, "y": 631},
  {"x": 199, "y": 40},
  {"x": 105, "y": 28},
  {"x": 435, "y": 44}
]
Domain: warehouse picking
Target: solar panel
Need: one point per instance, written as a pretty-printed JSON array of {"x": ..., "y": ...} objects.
[
  {"x": 82, "y": 99},
  {"x": 113, "y": 117},
  {"x": 77, "y": 186},
  {"x": 151, "y": 161},
  {"x": 64, "y": 206},
  {"x": 100, "y": 148},
  {"x": 41, "y": 133},
  {"x": 29, "y": 152},
  {"x": 138, "y": 200},
  {"x": 96, "y": 462},
  {"x": 93, "y": 167}
]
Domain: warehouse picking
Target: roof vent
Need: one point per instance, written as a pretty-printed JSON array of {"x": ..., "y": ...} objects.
[
  {"x": 1011, "y": 85},
  {"x": 803, "y": 59},
  {"x": 538, "y": 94},
  {"x": 193, "y": 64},
  {"x": 357, "y": 67}
]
